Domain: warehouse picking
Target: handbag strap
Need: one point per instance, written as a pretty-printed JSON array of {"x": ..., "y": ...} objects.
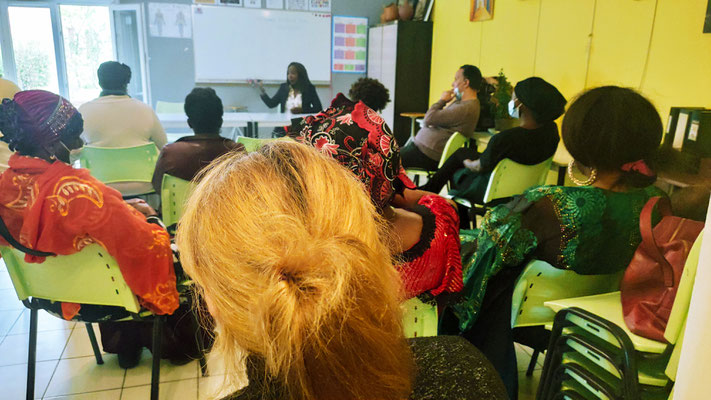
[
  {"x": 5, "y": 233},
  {"x": 649, "y": 244}
]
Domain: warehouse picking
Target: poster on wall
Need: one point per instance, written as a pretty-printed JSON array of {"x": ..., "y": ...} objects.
[
  {"x": 349, "y": 48},
  {"x": 297, "y": 5},
  {"x": 278, "y": 4},
  {"x": 481, "y": 10},
  {"x": 707, "y": 23},
  {"x": 253, "y": 3},
  {"x": 169, "y": 20},
  {"x": 320, "y": 5}
]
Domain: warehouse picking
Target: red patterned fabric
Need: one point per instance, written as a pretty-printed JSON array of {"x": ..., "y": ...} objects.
[
  {"x": 439, "y": 268},
  {"x": 360, "y": 140},
  {"x": 56, "y": 208},
  {"x": 28, "y": 105}
]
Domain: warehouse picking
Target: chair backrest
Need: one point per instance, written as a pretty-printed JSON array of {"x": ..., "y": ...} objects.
[
  {"x": 510, "y": 178},
  {"x": 540, "y": 282},
  {"x": 454, "y": 143},
  {"x": 419, "y": 319},
  {"x": 253, "y": 144},
  {"x": 680, "y": 308},
  {"x": 90, "y": 276},
  {"x": 174, "y": 192},
  {"x": 167, "y": 107},
  {"x": 120, "y": 164}
]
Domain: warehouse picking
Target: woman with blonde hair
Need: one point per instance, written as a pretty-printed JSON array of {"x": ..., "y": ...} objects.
[{"x": 298, "y": 276}]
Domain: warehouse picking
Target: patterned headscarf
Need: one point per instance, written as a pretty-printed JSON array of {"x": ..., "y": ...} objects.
[
  {"x": 359, "y": 139},
  {"x": 38, "y": 117}
]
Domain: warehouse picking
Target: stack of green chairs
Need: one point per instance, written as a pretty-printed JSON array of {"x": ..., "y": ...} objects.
[
  {"x": 419, "y": 319},
  {"x": 454, "y": 143},
  {"x": 592, "y": 352},
  {"x": 540, "y": 282}
]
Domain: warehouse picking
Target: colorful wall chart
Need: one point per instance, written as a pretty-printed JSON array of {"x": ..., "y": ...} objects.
[{"x": 349, "y": 50}]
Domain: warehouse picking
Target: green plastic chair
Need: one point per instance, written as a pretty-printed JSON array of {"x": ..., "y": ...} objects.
[
  {"x": 90, "y": 276},
  {"x": 454, "y": 143},
  {"x": 120, "y": 164},
  {"x": 168, "y": 107},
  {"x": 419, "y": 319},
  {"x": 253, "y": 144},
  {"x": 510, "y": 178},
  {"x": 174, "y": 192}
]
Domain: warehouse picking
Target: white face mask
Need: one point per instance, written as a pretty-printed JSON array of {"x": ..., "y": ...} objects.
[
  {"x": 513, "y": 110},
  {"x": 457, "y": 94}
]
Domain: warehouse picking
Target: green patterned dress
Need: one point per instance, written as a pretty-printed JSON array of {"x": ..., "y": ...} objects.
[{"x": 584, "y": 229}]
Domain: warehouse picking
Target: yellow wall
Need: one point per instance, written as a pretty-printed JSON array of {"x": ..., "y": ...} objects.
[{"x": 655, "y": 46}]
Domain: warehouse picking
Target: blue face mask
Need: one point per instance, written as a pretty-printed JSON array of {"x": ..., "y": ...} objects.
[
  {"x": 513, "y": 110},
  {"x": 457, "y": 94}
]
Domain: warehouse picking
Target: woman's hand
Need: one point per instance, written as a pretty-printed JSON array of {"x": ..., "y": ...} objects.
[
  {"x": 142, "y": 207},
  {"x": 472, "y": 165},
  {"x": 297, "y": 110}
]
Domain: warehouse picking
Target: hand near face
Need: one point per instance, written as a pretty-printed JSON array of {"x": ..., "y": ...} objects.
[{"x": 447, "y": 96}]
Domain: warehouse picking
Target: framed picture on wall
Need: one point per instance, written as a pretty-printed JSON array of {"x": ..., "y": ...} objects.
[
  {"x": 707, "y": 23},
  {"x": 482, "y": 10}
]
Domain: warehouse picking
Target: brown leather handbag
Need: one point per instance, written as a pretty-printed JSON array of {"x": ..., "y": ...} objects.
[{"x": 652, "y": 278}]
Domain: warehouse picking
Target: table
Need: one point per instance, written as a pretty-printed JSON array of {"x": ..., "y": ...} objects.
[
  {"x": 413, "y": 117},
  {"x": 234, "y": 120}
]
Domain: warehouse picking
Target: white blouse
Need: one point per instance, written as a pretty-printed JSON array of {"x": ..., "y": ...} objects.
[{"x": 293, "y": 101}]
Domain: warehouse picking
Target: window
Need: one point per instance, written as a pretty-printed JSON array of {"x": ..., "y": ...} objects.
[{"x": 33, "y": 44}]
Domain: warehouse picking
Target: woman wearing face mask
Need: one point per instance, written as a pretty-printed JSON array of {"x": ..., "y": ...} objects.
[
  {"x": 456, "y": 111},
  {"x": 537, "y": 104},
  {"x": 297, "y": 95}
]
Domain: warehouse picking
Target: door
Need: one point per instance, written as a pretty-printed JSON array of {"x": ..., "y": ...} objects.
[{"x": 129, "y": 47}]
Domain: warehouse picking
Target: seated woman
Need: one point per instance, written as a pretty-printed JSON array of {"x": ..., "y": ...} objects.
[
  {"x": 538, "y": 104},
  {"x": 612, "y": 133},
  {"x": 426, "y": 226},
  {"x": 51, "y": 207},
  {"x": 301, "y": 285}
]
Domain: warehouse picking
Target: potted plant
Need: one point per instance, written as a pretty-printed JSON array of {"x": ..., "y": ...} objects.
[{"x": 500, "y": 103}]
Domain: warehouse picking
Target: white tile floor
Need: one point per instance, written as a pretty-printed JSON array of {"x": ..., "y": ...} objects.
[{"x": 66, "y": 367}]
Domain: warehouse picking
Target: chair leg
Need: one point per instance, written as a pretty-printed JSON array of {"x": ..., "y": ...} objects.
[
  {"x": 532, "y": 363},
  {"x": 157, "y": 341},
  {"x": 94, "y": 343},
  {"x": 200, "y": 344},
  {"x": 32, "y": 355}
]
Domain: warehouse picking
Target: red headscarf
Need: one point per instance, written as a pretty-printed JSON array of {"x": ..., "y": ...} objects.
[{"x": 359, "y": 139}]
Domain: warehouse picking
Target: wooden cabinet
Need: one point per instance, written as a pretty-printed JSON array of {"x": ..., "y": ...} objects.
[{"x": 399, "y": 56}]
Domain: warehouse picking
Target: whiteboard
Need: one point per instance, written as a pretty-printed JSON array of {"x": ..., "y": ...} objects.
[{"x": 234, "y": 44}]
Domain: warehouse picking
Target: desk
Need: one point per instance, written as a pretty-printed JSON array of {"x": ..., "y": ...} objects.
[
  {"x": 234, "y": 120},
  {"x": 413, "y": 117}
]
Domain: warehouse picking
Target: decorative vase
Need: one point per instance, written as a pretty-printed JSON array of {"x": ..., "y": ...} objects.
[
  {"x": 406, "y": 10},
  {"x": 390, "y": 13}
]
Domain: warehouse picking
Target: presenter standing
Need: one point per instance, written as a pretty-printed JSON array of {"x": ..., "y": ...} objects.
[{"x": 297, "y": 95}]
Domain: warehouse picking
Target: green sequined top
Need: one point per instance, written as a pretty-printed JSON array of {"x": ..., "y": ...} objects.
[{"x": 584, "y": 229}]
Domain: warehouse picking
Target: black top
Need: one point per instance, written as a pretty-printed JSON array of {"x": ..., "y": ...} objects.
[
  {"x": 448, "y": 367},
  {"x": 524, "y": 146},
  {"x": 310, "y": 102}
]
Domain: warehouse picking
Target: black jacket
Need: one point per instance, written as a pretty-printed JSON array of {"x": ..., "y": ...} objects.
[{"x": 309, "y": 99}]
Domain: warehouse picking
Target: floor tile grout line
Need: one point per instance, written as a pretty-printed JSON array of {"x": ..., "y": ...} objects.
[{"x": 57, "y": 366}]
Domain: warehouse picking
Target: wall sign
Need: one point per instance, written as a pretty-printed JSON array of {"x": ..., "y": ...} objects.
[{"x": 349, "y": 48}]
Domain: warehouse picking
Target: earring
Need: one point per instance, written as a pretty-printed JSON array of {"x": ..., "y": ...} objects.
[{"x": 571, "y": 174}]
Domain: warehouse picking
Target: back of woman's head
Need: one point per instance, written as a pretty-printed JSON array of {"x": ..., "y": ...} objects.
[
  {"x": 371, "y": 92},
  {"x": 293, "y": 263},
  {"x": 35, "y": 119},
  {"x": 609, "y": 128}
]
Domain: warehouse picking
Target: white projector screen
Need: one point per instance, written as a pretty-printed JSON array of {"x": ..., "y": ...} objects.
[{"x": 233, "y": 44}]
